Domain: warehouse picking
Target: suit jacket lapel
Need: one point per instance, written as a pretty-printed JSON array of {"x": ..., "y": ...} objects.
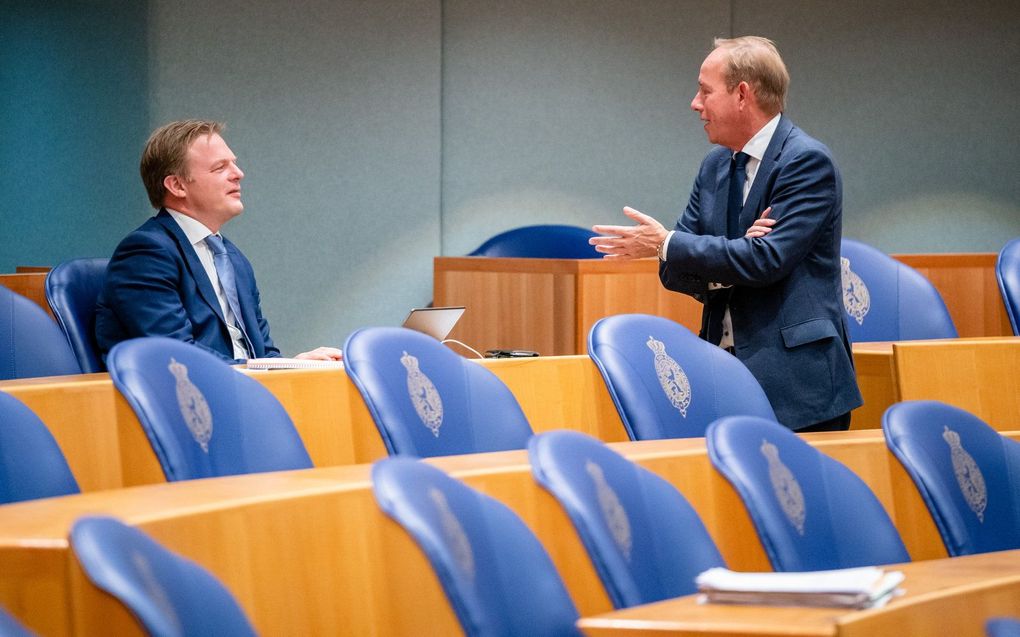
[
  {"x": 722, "y": 196},
  {"x": 754, "y": 205},
  {"x": 202, "y": 281}
]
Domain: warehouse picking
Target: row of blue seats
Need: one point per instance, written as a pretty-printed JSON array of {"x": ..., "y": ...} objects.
[
  {"x": 645, "y": 540},
  {"x": 885, "y": 300}
]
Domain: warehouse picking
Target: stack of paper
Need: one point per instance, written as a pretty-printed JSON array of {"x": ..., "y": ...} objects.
[
  {"x": 291, "y": 363},
  {"x": 866, "y": 587}
]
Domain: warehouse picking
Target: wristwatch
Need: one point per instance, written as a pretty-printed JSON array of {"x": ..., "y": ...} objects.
[{"x": 662, "y": 248}]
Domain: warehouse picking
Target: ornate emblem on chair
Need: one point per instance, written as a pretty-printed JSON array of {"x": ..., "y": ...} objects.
[
  {"x": 194, "y": 408},
  {"x": 613, "y": 513},
  {"x": 455, "y": 535},
  {"x": 856, "y": 298},
  {"x": 968, "y": 475},
  {"x": 785, "y": 486},
  {"x": 671, "y": 376},
  {"x": 424, "y": 395}
]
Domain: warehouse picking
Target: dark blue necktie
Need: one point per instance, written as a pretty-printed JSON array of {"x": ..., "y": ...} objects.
[
  {"x": 225, "y": 272},
  {"x": 738, "y": 175}
]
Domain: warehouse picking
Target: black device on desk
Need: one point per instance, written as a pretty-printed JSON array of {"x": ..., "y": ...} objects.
[{"x": 509, "y": 353}]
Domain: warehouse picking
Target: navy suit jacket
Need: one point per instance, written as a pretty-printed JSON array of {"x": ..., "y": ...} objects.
[
  {"x": 156, "y": 286},
  {"x": 786, "y": 300}
]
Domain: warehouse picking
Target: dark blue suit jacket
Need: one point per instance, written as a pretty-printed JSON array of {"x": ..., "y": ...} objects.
[
  {"x": 156, "y": 286},
  {"x": 786, "y": 301}
]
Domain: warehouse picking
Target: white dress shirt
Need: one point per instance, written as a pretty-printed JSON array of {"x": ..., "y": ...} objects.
[
  {"x": 755, "y": 150},
  {"x": 196, "y": 232}
]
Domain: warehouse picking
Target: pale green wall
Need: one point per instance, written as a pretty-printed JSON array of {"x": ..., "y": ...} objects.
[{"x": 376, "y": 135}]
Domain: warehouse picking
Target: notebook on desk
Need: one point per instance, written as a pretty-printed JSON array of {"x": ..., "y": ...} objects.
[{"x": 437, "y": 322}]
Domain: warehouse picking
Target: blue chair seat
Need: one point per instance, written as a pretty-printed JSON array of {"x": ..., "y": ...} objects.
[
  {"x": 967, "y": 473},
  {"x": 203, "y": 418},
  {"x": 31, "y": 344},
  {"x": 811, "y": 512},
  {"x": 540, "y": 242},
  {"x": 1007, "y": 273},
  {"x": 31, "y": 464},
  {"x": 497, "y": 576},
  {"x": 886, "y": 300},
  {"x": 428, "y": 401},
  {"x": 646, "y": 541},
  {"x": 72, "y": 289},
  {"x": 169, "y": 595},
  {"x": 668, "y": 383}
]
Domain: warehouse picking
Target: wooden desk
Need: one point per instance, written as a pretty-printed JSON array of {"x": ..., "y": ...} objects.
[
  {"x": 981, "y": 376},
  {"x": 106, "y": 448},
  {"x": 942, "y": 597},
  {"x": 967, "y": 284},
  {"x": 549, "y": 305},
  {"x": 308, "y": 552},
  {"x": 29, "y": 284}
]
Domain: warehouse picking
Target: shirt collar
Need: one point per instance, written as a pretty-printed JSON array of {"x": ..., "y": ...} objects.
[
  {"x": 194, "y": 230},
  {"x": 757, "y": 145}
]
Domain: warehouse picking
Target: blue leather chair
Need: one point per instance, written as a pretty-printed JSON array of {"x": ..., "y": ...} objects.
[
  {"x": 646, "y": 541},
  {"x": 72, "y": 289},
  {"x": 810, "y": 511},
  {"x": 428, "y": 401},
  {"x": 1002, "y": 627},
  {"x": 31, "y": 344},
  {"x": 967, "y": 473},
  {"x": 169, "y": 595},
  {"x": 668, "y": 383},
  {"x": 31, "y": 464},
  {"x": 540, "y": 242},
  {"x": 1007, "y": 273},
  {"x": 497, "y": 576},
  {"x": 11, "y": 627},
  {"x": 886, "y": 300},
  {"x": 203, "y": 418}
]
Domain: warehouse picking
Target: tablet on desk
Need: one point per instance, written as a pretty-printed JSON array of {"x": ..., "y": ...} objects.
[{"x": 434, "y": 321}]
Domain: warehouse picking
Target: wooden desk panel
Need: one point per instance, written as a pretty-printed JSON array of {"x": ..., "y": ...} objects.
[
  {"x": 310, "y": 550},
  {"x": 30, "y": 285},
  {"x": 980, "y": 376},
  {"x": 106, "y": 448},
  {"x": 942, "y": 597},
  {"x": 967, "y": 284},
  {"x": 549, "y": 305}
]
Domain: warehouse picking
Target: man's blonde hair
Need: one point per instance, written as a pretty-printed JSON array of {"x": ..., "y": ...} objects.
[
  {"x": 756, "y": 60},
  {"x": 166, "y": 153}
]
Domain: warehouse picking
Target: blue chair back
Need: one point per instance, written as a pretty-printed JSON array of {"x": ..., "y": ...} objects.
[
  {"x": 31, "y": 344},
  {"x": 169, "y": 595},
  {"x": 646, "y": 541},
  {"x": 967, "y": 473},
  {"x": 668, "y": 383},
  {"x": 72, "y": 289},
  {"x": 11, "y": 627},
  {"x": 428, "y": 401},
  {"x": 540, "y": 242},
  {"x": 886, "y": 300},
  {"x": 810, "y": 511},
  {"x": 1007, "y": 273},
  {"x": 203, "y": 418},
  {"x": 1002, "y": 627},
  {"x": 497, "y": 576},
  {"x": 31, "y": 464}
]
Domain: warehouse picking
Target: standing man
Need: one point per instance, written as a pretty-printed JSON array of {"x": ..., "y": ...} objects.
[
  {"x": 771, "y": 286},
  {"x": 176, "y": 276}
]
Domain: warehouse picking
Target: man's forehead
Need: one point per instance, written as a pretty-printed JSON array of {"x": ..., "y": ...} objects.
[{"x": 211, "y": 147}]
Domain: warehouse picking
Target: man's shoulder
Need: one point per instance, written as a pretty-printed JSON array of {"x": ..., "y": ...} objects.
[
  {"x": 799, "y": 141},
  {"x": 153, "y": 231}
]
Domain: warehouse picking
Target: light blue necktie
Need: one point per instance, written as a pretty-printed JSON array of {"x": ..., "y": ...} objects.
[{"x": 225, "y": 272}]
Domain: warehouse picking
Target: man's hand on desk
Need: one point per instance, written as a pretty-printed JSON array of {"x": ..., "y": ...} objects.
[
  {"x": 630, "y": 242},
  {"x": 322, "y": 354}
]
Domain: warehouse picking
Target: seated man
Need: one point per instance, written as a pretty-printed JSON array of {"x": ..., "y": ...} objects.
[{"x": 175, "y": 275}]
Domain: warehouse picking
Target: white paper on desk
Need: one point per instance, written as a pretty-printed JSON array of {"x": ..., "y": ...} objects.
[
  {"x": 291, "y": 363},
  {"x": 855, "y": 588}
]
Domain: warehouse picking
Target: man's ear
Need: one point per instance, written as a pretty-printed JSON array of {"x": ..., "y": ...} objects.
[
  {"x": 174, "y": 185},
  {"x": 744, "y": 94}
]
